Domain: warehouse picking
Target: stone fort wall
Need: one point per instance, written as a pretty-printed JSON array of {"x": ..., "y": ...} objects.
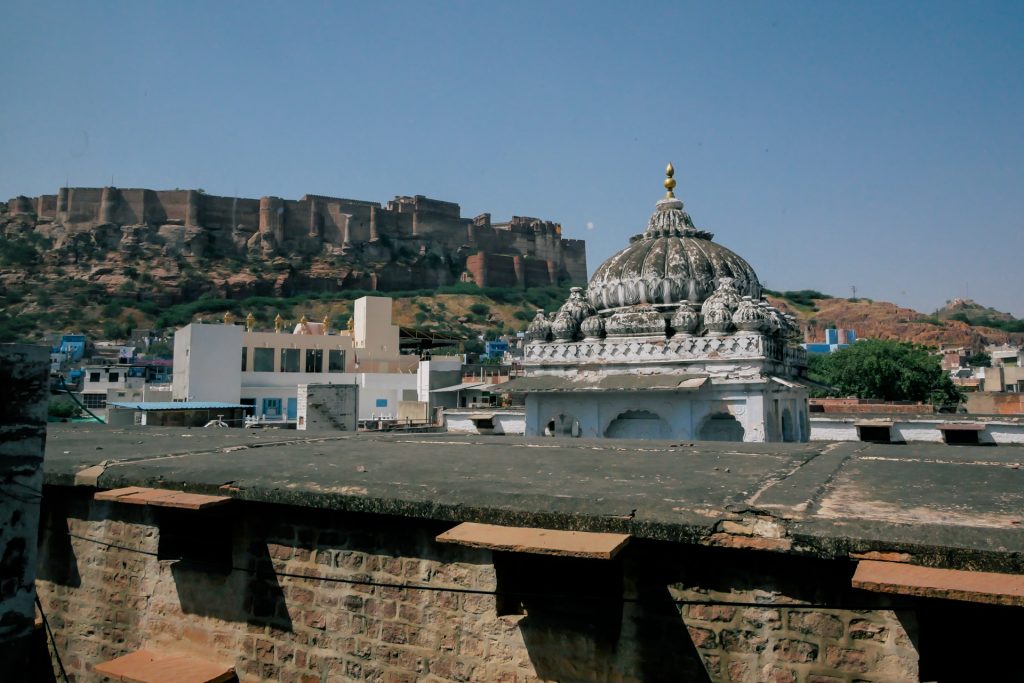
[
  {"x": 311, "y": 595},
  {"x": 318, "y": 224}
]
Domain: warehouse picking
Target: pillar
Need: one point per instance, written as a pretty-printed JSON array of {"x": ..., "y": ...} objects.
[{"x": 24, "y": 374}]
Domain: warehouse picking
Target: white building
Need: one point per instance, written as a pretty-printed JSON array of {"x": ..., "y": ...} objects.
[
  {"x": 235, "y": 364},
  {"x": 671, "y": 341}
]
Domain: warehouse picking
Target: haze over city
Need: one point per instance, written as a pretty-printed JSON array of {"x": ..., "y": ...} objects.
[{"x": 833, "y": 145}]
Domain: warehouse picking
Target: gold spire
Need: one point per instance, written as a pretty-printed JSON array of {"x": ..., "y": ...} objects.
[
  {"x": 229, "y": 318},
  {"x": 250, "y": 322},
  {"x": 327, "y": 324},
  {"x": 670, "y": 182},
  {"x": 302, "y": 320},
  {"x": 278, "y": 323}
]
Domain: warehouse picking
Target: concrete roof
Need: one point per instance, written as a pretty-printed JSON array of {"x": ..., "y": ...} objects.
[
  {"x": 621, "y": 382},
  {"x": 175, "y": 405},
  {"x": 948, "y": 506}
]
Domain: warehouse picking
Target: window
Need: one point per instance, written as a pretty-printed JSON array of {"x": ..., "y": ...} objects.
[
  {"x": 113, "y": 377},
  {"x": 336, "y": 361},
  {"x": 314, "y": 360},
  {"x": 272, "y": 407},
  {"x": 263, "y": 360},
  {"x": 94, "y": 400},
  {"x": 289, "y": 360},
  {"x": 250, "y": 405},
  {"x": 245, "y": 357},
  {"x": 94, "y": 377},
  {"x": 382, "y": 403}
]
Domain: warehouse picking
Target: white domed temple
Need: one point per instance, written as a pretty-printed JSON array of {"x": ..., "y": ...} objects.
[{"x": 671, "y": 340}]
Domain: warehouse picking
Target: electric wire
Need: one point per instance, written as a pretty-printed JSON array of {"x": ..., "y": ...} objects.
[
  {"x": 64, "y": 386},
  {"x": 53, "y": 641}
]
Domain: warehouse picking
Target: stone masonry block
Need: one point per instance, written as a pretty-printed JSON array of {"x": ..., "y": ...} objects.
[{"x": 816, "y": 623}]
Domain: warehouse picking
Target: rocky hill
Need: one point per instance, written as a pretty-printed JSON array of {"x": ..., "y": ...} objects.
[
  {"x": 883, "y": 320},
  {"x": 49, "y": 283}
]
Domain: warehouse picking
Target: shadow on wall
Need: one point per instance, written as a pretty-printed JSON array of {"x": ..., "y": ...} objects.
[
  {"x": 577, "y": 627},
  {"x": 222, "y": 569},
  {"x": 57, "y": 562}
]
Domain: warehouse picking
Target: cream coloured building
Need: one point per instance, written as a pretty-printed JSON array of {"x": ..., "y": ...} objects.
[{"x": 237, "y": 364}]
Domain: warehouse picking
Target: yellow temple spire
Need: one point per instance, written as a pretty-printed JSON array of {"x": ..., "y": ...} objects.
[
  {"x": 250, "y": 322},
  {"x": 229, "y": 318},
  {"x": 278, "y": 323},
  {"x": 670, "y": 182},
  {"x": 327, "y": 324}
]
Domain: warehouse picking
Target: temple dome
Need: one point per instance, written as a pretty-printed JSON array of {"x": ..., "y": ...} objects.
[{"x": 671, "y": 262}]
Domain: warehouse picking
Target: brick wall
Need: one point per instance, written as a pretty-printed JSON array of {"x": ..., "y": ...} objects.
[{"x": 281, "y": 617}]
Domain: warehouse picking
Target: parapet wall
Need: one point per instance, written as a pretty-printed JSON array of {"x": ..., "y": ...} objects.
[{"x": 318, "y": 595}]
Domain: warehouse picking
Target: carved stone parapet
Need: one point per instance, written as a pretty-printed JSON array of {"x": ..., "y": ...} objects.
[
  {"x": 627, "y": 350},
  {"x": 638, "y": 321}
]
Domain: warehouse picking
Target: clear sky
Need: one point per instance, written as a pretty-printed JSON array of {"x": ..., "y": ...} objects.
[{"x": 832, "y": 144}]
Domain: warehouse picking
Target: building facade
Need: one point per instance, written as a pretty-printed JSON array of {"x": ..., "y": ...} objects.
[{"x": 264, "y": 369}]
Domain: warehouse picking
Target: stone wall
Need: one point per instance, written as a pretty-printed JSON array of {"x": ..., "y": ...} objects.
[
  {"x": 313, "y": 225},
  {"x": 24, "y": 378},
  {"x": 317, "y": 596}
]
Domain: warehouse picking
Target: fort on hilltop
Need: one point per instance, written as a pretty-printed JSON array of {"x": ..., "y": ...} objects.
[{"x": 431, "y": 236}]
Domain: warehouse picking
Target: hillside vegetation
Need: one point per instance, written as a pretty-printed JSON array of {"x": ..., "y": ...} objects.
[{"x": 107, "y": 297}]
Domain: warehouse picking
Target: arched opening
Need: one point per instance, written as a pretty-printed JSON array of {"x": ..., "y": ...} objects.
[
  {"x": 638, "y": 424},
  {"x": 562, "y": 425},
  {"x": 787, "y": 425},
  {"x": 721, "y": 427}
]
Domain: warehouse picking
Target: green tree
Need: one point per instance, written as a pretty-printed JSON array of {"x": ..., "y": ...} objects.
[
  {"x": 980, "y": 360},
  {"x": 886, "y": 370}
]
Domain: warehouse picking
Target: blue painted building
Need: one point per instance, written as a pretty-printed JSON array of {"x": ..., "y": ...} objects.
[
  {"x": 496, "y": 349},
  {"x": 835, "y": 340}
]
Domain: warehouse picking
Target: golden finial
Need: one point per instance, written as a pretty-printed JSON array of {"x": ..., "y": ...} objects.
[
  {"x": 302, "y": 320},
  {"x": 278, "y": 323},
  {"x": 327, "y": 324},
  {"x": 229, "y": 318},
  {"x": 670, "y": 182},
  {"x": 250, "y": 322},
  {"x": 351, "y": 324}
]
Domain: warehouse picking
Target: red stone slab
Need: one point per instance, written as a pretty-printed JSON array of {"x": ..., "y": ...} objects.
[
  {"x": 137, "y": 495},
  {"x": 125, "y": 495},
  {"x": 601, "y": 546},
  {"x": 949, "y": 584},
  {"x": 148, "y": 666}
]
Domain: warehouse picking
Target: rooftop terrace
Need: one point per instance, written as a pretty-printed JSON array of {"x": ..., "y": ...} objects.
[{"x": 937, "y": 505}]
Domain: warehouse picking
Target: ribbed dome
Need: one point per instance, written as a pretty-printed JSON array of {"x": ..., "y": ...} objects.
[{"x": 671, "y": 262}]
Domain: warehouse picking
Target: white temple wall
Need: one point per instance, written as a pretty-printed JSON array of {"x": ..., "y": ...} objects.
[{"x": 682, "y": 415}]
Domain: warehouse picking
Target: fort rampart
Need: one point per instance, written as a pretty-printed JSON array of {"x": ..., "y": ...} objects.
[{"x": 192, "y": 221}]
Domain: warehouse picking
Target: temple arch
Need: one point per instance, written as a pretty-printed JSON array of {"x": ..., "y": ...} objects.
[
  {"x": 787, "y": 425},
  {"x": 638, "y": 424},
  {"x": 720, "y": 427},
  {"x": 562, "y": 424}
]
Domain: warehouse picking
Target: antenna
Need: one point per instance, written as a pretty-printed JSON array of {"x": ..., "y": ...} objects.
[{"x": 853, "y": 288}]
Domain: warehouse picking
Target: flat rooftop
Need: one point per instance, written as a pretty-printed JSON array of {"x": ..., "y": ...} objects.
[{"x": 959, "y": 507}]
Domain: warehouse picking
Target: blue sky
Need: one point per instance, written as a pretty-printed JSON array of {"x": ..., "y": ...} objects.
[{"x": 831, "y": 144}]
